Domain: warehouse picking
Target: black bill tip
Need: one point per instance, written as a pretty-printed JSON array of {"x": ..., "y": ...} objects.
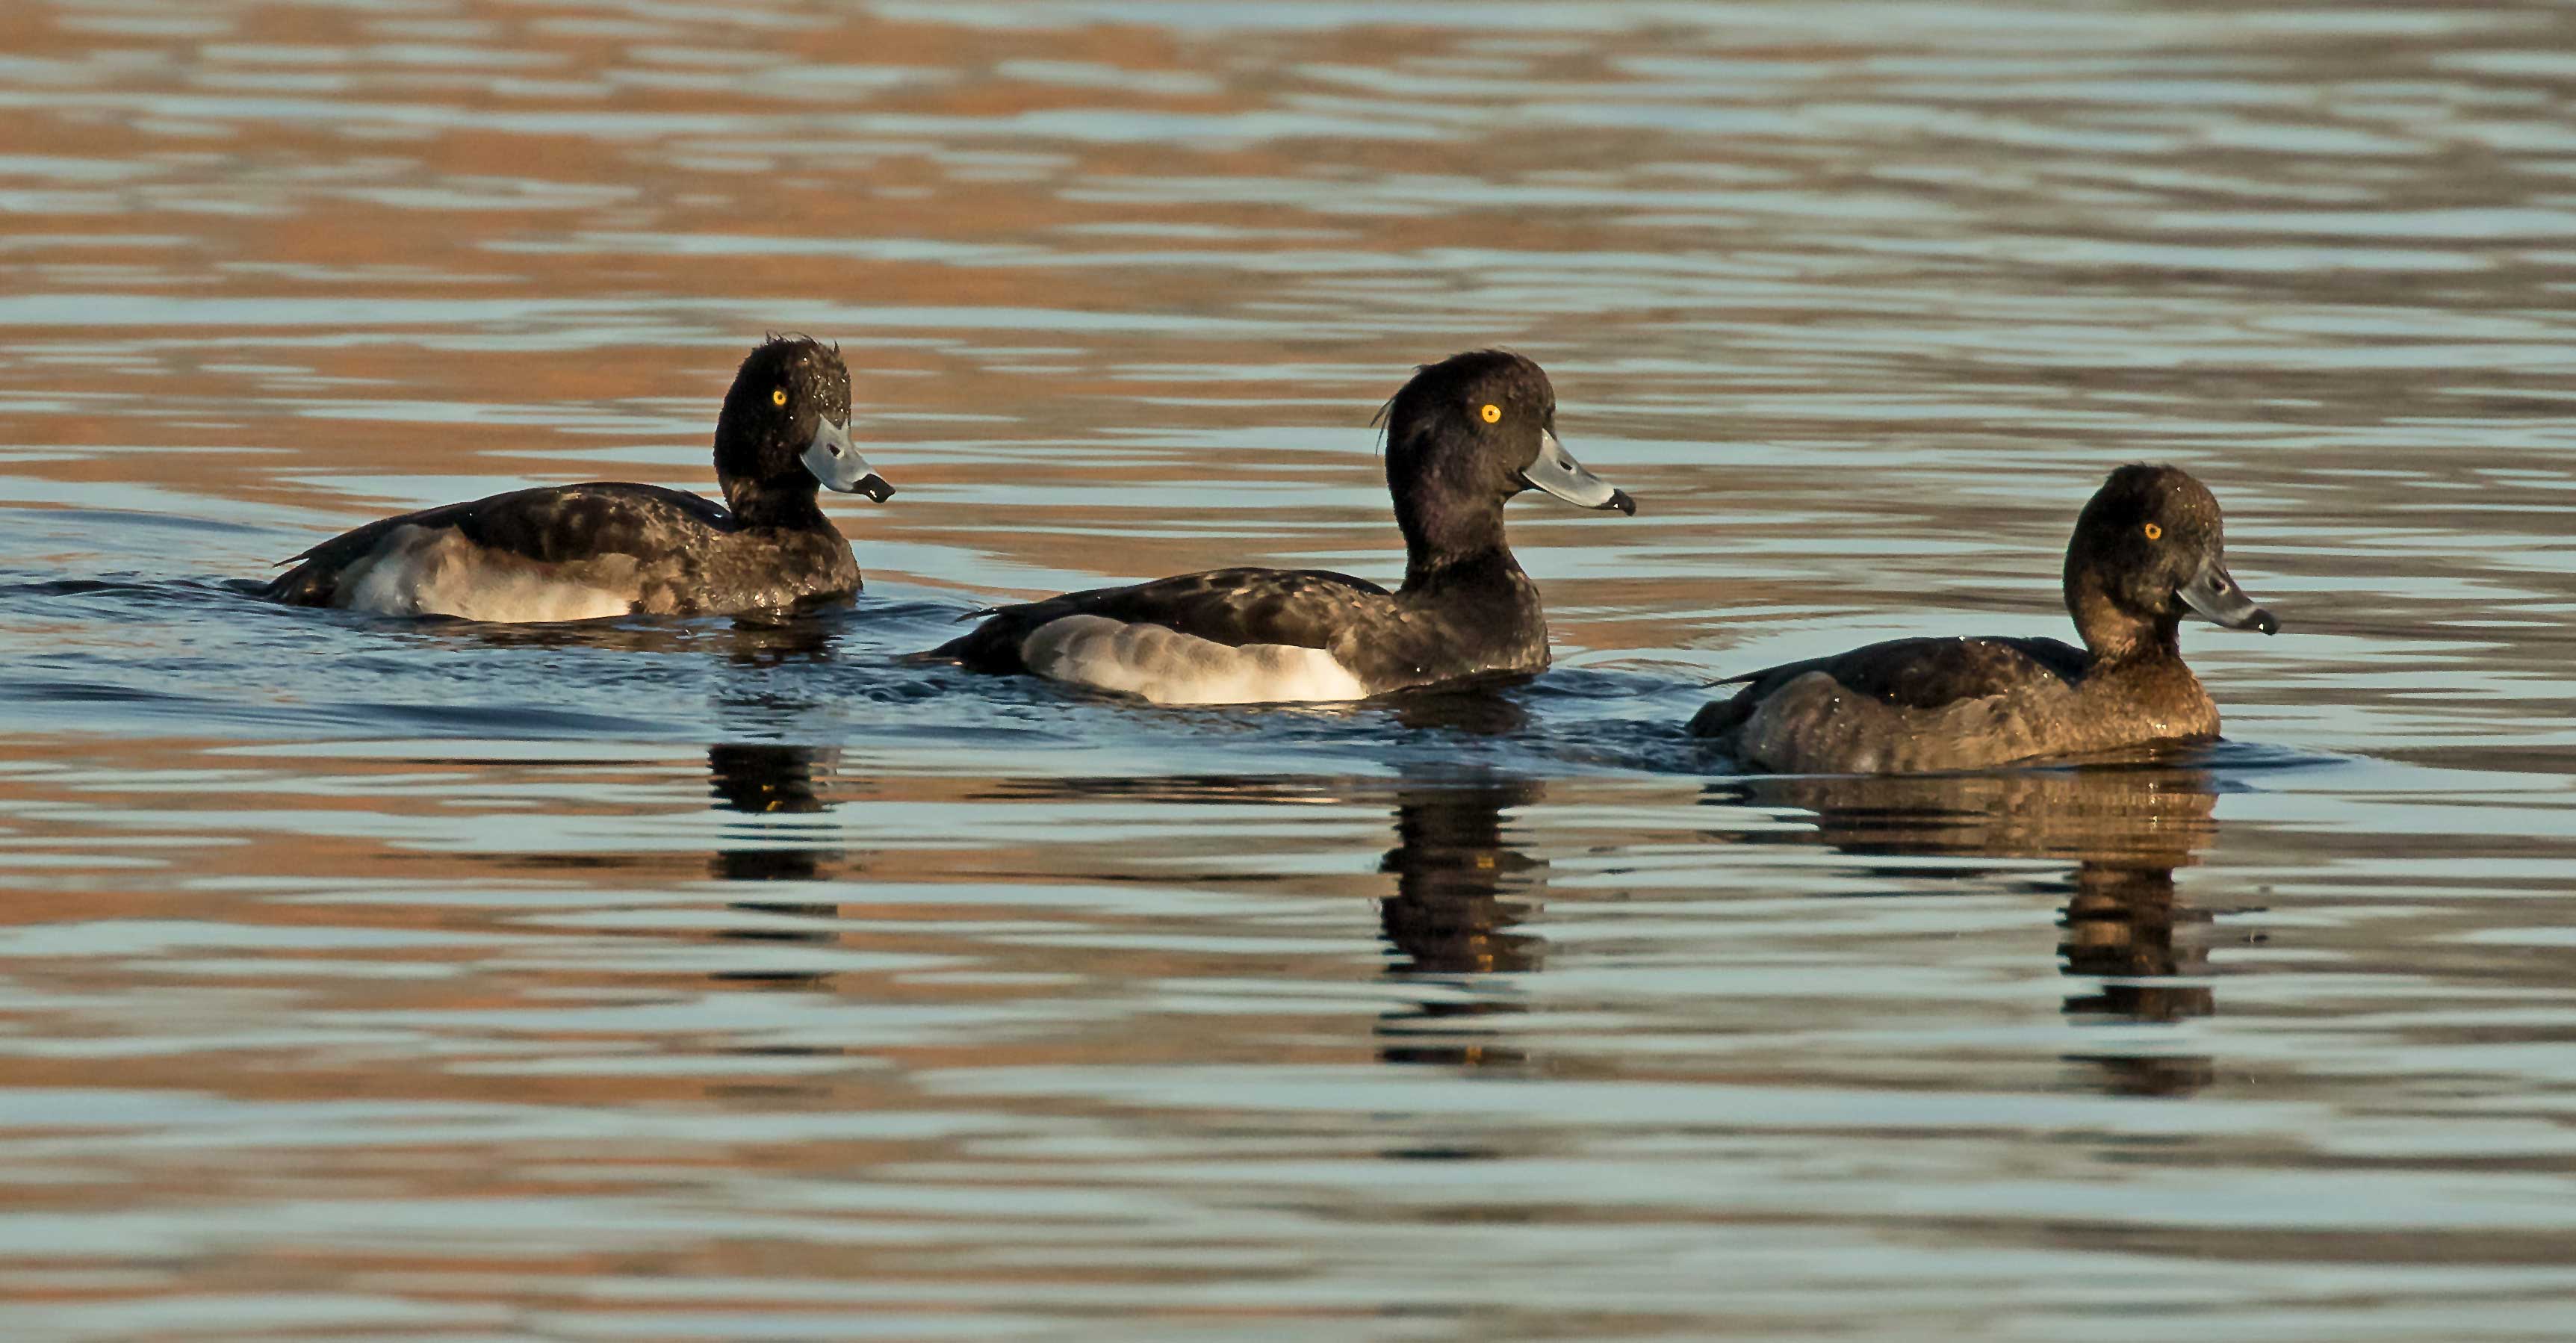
[
  {"x": 1619, "y": 500},
  {"x": 2262, "y": 620},
  {"x": 874, "y": 487}
]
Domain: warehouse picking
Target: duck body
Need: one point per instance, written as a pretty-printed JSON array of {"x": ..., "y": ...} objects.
[
  {"x": 614, "y": 548},
  {"x": 2147, "y": 548},
  {"x": 574, "y": 552},
  {"x": 1249, "y": 636},
  {"x": 1463, "y": 437},
  {"x": 1921, "y": 705}
]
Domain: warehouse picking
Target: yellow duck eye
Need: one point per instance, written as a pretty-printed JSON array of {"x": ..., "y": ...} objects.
[
  {"x": 778, "y": 397},
  {"x": 1491, "y": 414},
  {"x": 2154, "y": 532}
]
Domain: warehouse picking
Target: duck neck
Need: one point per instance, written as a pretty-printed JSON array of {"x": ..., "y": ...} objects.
[
  {"x": 2115, "y": 633},
  {"x": 1449, "y": 542},
  {"x": 784, "y": 503}
]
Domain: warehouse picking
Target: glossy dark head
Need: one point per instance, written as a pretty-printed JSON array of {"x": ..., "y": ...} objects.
[
  {"x": 2149, "y": 545},
  {"x": 1468, "y": 433},
  {"x": 785, "y": 427}
]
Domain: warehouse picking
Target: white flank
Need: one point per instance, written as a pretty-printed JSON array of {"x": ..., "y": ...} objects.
[
  {"x": 421, "y": 572},
  {"x": 1169, "y": 667}
]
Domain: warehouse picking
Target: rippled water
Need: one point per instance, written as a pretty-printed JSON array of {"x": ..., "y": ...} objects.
[{"x": 696, "y": 981}]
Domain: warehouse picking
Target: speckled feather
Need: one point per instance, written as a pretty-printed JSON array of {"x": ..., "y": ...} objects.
[
  {"x": 1909, "y": 674},
  {"x": 1461, "y": 436},
  {"x": 1942, "y": 704},
  {"x": 1931, "y": 704},
  {"x": 1389, "y": 641},
  {"x": 610, "y": 548},
  {"x": 666, "y": 552}
]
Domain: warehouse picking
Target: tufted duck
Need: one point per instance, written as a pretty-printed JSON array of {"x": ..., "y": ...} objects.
[
  {"x": 578, "y": 552},
  {"x": 2147, "y": 546},
  {"x": 1463, "y": 436}
]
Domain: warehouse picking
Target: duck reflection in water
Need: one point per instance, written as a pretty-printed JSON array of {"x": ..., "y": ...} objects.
[
  {"x": 769, "y": 780},
  {"x": 1461, "y": 894},
  {"x": 767, "y": 641},
  {"x": 774, "y": 780},
  {"x": 759, "y": 779},
  {"x": 766, "y": 780},
  {"x": 2143, "y": 952},
  {"x": 756, "y": 639}
]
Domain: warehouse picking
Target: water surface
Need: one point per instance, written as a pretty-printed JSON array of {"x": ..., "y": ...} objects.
[{"x": 707, "y": 980}]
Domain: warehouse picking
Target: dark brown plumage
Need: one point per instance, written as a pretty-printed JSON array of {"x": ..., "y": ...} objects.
[
  {"x": 1401, "y": 642},
  {"x": 1463, "y": 437},
  {"x": 2148, "y": 546},
  {"x": 610, "y": 548}
]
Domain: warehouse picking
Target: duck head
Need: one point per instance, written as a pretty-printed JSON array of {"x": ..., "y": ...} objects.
[
  {"x": 2150, "y": 545},
  {"x": 1470, "y": 432},
  {"x": 786, "y": 428}
]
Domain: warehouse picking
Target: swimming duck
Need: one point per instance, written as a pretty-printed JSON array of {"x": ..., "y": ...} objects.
[
  {"x": 611, "y": 548},
  {"x": 1463, "y": 436},
  {"x": 2147, "y": 546}
]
